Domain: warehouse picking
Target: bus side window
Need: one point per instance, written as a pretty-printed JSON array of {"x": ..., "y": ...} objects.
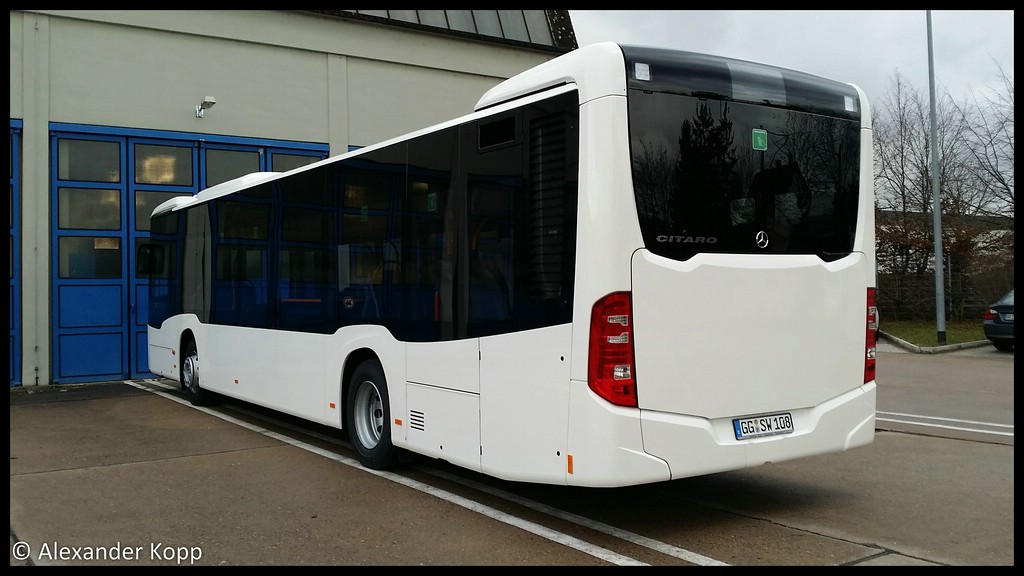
[{"x": 359, "y": 303}]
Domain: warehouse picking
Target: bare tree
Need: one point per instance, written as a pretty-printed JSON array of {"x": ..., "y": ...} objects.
[
  {"x": 900, "y": 237},
  {"x": 989, "y": 122},
  {"x": 903, "y": 180},
  {"x": 990, "y": 134},
  {"x": 974, "y": 144},
  {"x": 654, "y": 182}
]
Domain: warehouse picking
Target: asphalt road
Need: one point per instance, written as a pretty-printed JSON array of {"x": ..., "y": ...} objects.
[{"x": 130, "y": 473}]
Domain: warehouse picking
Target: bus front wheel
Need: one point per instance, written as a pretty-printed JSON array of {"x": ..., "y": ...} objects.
[
  {"x": 190, "y": 377},
  {"x": 368, "y": 416}
]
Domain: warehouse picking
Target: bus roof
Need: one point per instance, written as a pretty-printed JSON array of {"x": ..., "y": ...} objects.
[
  {"x": 215, "y": 191},
  {"x": 601, "y": 64},
  {"x": 600, "y": 70}
]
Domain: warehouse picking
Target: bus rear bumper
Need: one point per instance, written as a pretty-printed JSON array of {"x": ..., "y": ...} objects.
[{"x": 695, "y": 446}]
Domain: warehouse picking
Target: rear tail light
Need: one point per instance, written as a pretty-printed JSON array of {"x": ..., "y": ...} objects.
[
  {"x": 611, "y": 372},
  {"x": 871, "y": 337},
  {"x": 991, "y": 314}
]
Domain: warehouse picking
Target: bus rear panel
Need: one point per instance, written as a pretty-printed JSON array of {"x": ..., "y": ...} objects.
[{"x": 741, "y": 323}]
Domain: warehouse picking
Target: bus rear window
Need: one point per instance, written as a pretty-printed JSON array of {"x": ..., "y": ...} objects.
[{"x": 723, "y": 176}]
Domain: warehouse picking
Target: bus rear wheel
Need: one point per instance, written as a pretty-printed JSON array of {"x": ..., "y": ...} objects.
[
  {"x": 190, "y": 377},
  {"x": 368, "y": 417}
]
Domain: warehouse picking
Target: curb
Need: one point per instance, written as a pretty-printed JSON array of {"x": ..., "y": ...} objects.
[{"x": 931, "y": 349}]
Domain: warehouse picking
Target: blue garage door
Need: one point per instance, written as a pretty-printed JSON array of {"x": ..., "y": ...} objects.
[{"x": 104, "y": 189}]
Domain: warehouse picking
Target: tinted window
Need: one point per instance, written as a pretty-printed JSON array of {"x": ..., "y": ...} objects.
[
  {"x": 88, "y": 209},
  {"x": 170, "y": 165},
  {"x": 723, "y": 176},
  {"x": 435, "y": 238},
  {"x": 88, "y": 160},
  {"x": 224, "y": 165},
  {"x": 89, "y": 257}
]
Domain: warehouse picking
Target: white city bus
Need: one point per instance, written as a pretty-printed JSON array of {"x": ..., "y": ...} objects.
[{"x": 627, "y": 265}]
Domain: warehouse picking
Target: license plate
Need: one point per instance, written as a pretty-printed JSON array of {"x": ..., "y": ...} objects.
[
  {"x": 767, "y": 425},
  {"x": 1008, "y": 317}
]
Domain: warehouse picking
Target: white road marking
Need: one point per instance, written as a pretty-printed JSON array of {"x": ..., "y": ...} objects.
[
  {"x": 533, "y": 528},
  {"x": 932, "y": 422}
]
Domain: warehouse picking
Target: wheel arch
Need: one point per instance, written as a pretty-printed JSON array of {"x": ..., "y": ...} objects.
[
  {"x": 187, "y": 337},
  {"x": 355, "y": 358}
]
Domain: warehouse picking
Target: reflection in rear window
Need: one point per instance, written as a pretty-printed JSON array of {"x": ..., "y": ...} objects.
[{"x": 731, "y": 177}]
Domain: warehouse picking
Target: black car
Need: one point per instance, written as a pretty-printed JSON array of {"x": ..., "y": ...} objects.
[{"x": 998, "y": 323}]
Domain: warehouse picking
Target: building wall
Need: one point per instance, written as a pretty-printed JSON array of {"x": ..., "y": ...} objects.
[{"x": 275, "y": 74}]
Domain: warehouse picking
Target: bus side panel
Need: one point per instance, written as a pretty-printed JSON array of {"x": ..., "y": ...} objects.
[
  {"x": 164, "y": 354},
  {"x": 297, "y": 373},
  {"x": 453, "y": 364},
  {"x": 524, "y": 404},
  {"x": 864, "y": 240},
  {"x": 443, "y": 424},
  {"x": 605, "y": 446},
  {"x": 262, "y": 366},
  {"x": 441, "y": 410},
  {"x": 607, "y": 229}
]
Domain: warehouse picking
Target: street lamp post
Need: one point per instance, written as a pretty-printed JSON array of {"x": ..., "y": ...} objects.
[{"x": 940, "y": 298}]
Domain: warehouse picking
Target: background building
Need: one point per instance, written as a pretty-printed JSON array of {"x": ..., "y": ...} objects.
[{"x": 112, "y": 112}]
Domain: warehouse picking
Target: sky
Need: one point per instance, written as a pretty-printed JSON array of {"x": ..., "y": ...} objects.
[{"x": 862, "y": 47}]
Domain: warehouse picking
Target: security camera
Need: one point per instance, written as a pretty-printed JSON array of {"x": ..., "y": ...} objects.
[{"x": 208, "y": 102}]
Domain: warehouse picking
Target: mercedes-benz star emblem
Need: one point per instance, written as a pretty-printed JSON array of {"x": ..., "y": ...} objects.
[{"x": 762, "y": 239}]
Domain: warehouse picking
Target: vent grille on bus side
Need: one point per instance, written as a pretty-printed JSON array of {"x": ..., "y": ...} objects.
[
  {"x": 547, "y": 206},
  {"x": 417, "y": 420}
]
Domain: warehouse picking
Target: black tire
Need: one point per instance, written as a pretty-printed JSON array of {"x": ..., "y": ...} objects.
[
  {"x": 368, "y": 417},
  {"x": 1003, "y": 345},
  {"x": 190, "y": 377}
]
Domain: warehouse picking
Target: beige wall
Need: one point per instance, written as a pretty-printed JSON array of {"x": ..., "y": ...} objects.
[{"x": 275, "y": 74}]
